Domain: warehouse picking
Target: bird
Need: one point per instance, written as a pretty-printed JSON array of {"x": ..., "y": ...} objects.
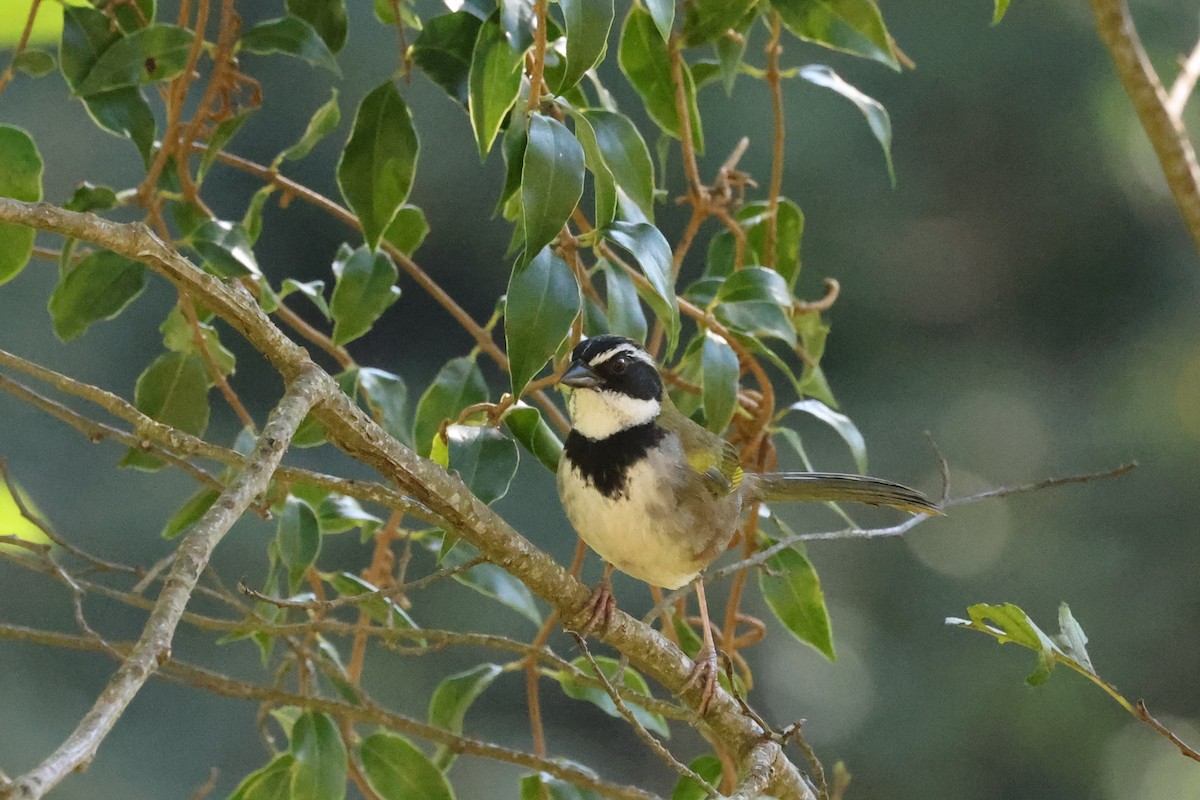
[{"x": 658, "y": 496}]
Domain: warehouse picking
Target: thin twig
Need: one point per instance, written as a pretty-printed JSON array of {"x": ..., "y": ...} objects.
[{"x": 1185, "y": 83}]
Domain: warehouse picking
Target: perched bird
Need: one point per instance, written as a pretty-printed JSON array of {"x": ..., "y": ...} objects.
[{"x": 657, "y": 495}]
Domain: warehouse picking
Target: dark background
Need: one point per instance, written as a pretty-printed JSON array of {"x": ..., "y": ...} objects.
[{"x": 1027, "y": 293}]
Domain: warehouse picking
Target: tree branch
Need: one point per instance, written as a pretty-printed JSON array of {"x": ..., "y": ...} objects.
[{"x": 192, "y": 556}]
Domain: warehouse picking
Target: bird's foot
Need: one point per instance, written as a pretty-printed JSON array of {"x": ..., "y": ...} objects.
[
  {"x": 704, "y": 674},
  {"x": 601, "y": 607}
]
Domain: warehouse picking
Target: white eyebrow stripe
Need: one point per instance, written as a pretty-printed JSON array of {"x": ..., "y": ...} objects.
[{"x": 636, "y": 352}]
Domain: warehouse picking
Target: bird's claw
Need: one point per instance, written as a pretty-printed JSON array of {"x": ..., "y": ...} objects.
[
  {"x": 704, "y": 674},
  {"x": 601, "y": 607}
]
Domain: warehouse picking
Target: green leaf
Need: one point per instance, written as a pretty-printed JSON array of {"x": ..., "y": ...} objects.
[
  {"x": 1072, "y": 639},
  {"x": 491, "y": 581},
  {"x": 493, "y": 83},
  {"x": 90, "y": 197},
  {"x": 320, "y": 769},
  {"x": 323, "y": 121},
  {"x": 601, "y": 699},
  {"x": 813, "y": 333},
  {"x": 313, "y": 290},
  {"x": 719, "y": 382},
  {"x": 707, "y": 767},
  {"x": 551, "y": 183},
  {"x": 706, "y": 20},
  {"x": 291, "y": 36},
  {"x": 604, "y": 188},
  {"x": 298, "y": 535},
  {"x": 387, "y": 397},
  {"x": 98, "y": 288},
  {"x": 757, "y": 301},
  {"x": 663, "y": 14},
  {"x": 484, "y": 457},
  {"x": 20, "y": 179},
  {"x": 174, "y": 391},
  {"x": 1000, "y": 11},
  {"x": 225, "y": 248},
  {"x": 652, "y": 253},
  {"x": 542, "y": 786},
  {"x": 150, "y": 54},
  {"x": 407, "y": 230},
  {"x": 178, "y": 337},
  {"x": 542, "y": 302},
  {"x": 189, "y": 513},
  {"x": 458, "y": 384},
  {"x": 588, "y": 23},
  {"x": 327, "y": 17},
  {"x": 530, "y": 429},
  {"x": 852, "y": 26},
  {"x": 625, "y": 154},
  {"x": 1008, "y": 623},
  {"x": 87, "y": 33},
  {"x": 125, "y": 113},
  {"x": 364, "y": 287},
  {"x": 272, "y": 782},
  {"x": 877, "y": 116},
  {"x": 792, "y": 591},
  {"x": 450, "y": 701},
  {"x": 644, "y": 59},
  {"x": 443, "y": 51},
  {"x": 338, "y": 513},
  {"x": 841, "y": 424},
  {"x": 34, "y": 62},
  {"x": 397, "y": 770},
  {"x": 376, "y": 169},
  {"x": 625, "y": 315},
  {"x": 382, "y": 610},
  {"x": 753, "y": 218}
]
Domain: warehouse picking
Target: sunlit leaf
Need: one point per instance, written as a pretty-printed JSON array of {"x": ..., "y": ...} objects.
[
  {"x": 604, "y": 188},
  {"x": 397, "y": 770},
  {"x": 877, "y": 116},
  {"x": 644, "y": 59},
  {"x": 364, "y": 287},
  {"x": 407, "y": 230},
  {"x": 551, "y": 183},
  {"x": 1009, "y": 623},
  {"x": 625, "y": 154},
  {"x": 530, "y": 429},
  {"x": 458, "y": 384},
  {"x": 485, "y": 458},
  {"x": 792, "y": 591},
  {"x": 154, "y": 53},
  {"x": 99, "y": 287},
  {"x": 542, "y": 302},
  {"x": 323, "y": 121},
  {"x": 226, "y": 249},
  {"x": 272, "y": 782},
  {"x": 757, "y": 301},
  {"x": 450, "y": 701},
  {"x": 20, "y": 179},
  {"x": 999, "y": 12},
  {"x": 663, "y": 14},
  {"x": 493, "y": 83},
  {"x": 313, "y": 290}
]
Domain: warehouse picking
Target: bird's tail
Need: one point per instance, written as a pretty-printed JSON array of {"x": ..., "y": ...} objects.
[{"x": 795, "y": 487}]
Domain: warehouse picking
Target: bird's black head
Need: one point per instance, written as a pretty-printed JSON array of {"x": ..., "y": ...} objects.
[{"x": 614, "y": 364}]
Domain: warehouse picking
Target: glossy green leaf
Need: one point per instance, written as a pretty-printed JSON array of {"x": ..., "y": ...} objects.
[
  {"x": 645, "y": 61},
  {"x": 90, "y": 197},
  {"x": 542, "y": 302},
  {"x": 364, "y": 287},
  {"x": 133, "y": 14},
  {"x": 382, "y": 610},
  {"x": 604, "y": 187},
  {"x": 792, "y": 590},
  {"x": 298, "y": 536},
  {"x": 625, "y": 154},
  {"x": 225, "y": 248},
  {"x": 588, "y": 23},
  {"x": 327, "y": 18},
  {"x": 1008, "y": 623},
  {"x": 719, "y": 383},
  {"x": 313, "y": 290},
  {"x": 86, "y": 34},
  {"x": 387, "y": 397},
  {"x": 852, "y": 26},
  {"x": 757, "y": 301},
  {"x": 485, "y": 458},
  {"x": 663, "y": 14},
  {"x": 491, "y": 581},
  {"x": 450, "y": 701},
  {"x": 97, "y": 288},
  {"x": 530, "y": 429},
  {"x": 813, "y": 334},
  {"x": 272, "y": 782},
  {"x": 323, "y": 121},
  {"x": 174, "y": 391},
  {"x": 652, "y": 253},
  {"x": 125, "y": 113},
  {"x": 542, "y": 786},
  {"x": 407, "y": 230},
  {"x": 338, "y": 513},
  {"x": 551, "y": 183},
  {"x": 877, "y": 116},
  {"x": 443, "y": 51},
  {"x": 458, "y": 384},
  {"x": 320, "y": 769},
  {"x": 34, "y": 62},
  {"x": 154, "y": 53},
  {"x": 290, "y": 36},
  {"x": 841, "y": 424},
  {"x": 601, "y": 699},
  {"x": 753, "y": 219},
  {"x": 397, "y": 770},
  {"x": 493, "y": 83},
  {"x": 706, "y": 20},
  {"x": 1000, "y": 10},
  {"x": 189, "y": 513},
  {"x": 20, "y": 179},
  {"x": 179, "y": 337},
  {"x": 707, "y": 767},
  {"x": 625, "y": 315},
  {"x": 376, "y": 169}
]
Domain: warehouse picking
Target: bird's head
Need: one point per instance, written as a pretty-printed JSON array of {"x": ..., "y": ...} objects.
[{"x": 615, "y": 384}]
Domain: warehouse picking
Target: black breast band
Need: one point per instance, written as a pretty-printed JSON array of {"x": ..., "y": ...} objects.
[{"x": 605, "y": 463}]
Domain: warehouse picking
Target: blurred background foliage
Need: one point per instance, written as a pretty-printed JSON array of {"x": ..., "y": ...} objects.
[{"x": 1026, "y": 293}]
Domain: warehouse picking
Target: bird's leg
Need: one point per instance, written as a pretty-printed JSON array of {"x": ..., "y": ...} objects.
[
  {"x": 602, "y": 604},
  {"x": 704, "y": 671}
]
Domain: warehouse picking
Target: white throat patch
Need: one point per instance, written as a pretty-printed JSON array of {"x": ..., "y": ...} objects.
[{"x": 598, "y": 414}]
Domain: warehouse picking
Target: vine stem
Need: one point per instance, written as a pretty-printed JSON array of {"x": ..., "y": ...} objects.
[
  {"x": 22, "y": 43},
  {"x": 774, "y": 50}
]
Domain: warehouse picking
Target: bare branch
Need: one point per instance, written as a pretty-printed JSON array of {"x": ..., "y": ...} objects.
[
  {"x": 193, "y": 554},
  {"x": 1185, "y": 83}
]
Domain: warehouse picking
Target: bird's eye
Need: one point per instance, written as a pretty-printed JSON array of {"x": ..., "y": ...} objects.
[{"x": 619, "y": 364}]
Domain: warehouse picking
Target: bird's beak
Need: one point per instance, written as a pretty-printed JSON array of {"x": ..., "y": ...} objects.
[{"x": 580, "y": 376}]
